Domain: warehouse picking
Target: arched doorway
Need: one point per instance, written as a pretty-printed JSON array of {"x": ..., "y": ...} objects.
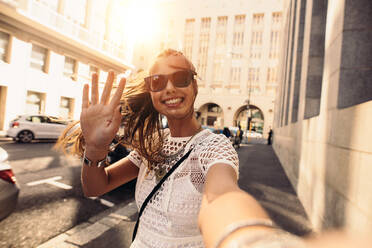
[
  {"x": 210, "y": 114},
  {"x": 256, "y": 119}
]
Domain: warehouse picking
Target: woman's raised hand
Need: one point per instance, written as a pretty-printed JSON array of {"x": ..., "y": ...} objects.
[{"x": 100, "y": 118}]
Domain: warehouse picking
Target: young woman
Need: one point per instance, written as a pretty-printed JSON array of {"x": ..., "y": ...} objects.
[{"x": 200, "y": 204}]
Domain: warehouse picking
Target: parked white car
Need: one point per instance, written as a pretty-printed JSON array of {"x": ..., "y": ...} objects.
[{"x": 26, "y": 128}]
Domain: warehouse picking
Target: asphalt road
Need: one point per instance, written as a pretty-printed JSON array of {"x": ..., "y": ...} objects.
[
  {"x": 51, "y": 199},
  {"x": 46, "y": 210}
]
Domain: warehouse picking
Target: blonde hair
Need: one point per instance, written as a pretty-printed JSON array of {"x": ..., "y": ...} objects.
[{"x": 140, "y": 120}]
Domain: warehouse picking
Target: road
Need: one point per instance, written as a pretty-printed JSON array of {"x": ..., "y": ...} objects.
[{"x": 51, "y": 199}]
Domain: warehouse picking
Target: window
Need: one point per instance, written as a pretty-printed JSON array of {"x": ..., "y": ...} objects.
[
  {"x": 203, "y": 46},
  {"x": 221, "y": 31},
  {"x": 254, "y": 75},
  {"x": 235, "y": 73},
  {"x": 66, "y": 107},
  {"x": 35, "y": 119},
  {"x": 271, "y": 75},
  {"x": 257, "y": 36},
  {"x": 69, "y": 69},
  {"x": 276, "y": 18},
  {"x": 220, "y": 52},
  {"x": 38, "y": 57},
  {"x": 258, "y": 20},
  {"x": 35, "y": 102},
  {"x": 188, "y": 38},
  {"x": 274, "y": 44},
  {"x": 4, "y": 43},
  {"x": 218, "y": 70},
  {"x": 238, "y": 35}
]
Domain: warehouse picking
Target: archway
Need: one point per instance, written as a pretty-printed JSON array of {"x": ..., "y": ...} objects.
[
  {"x": 256, "y": 119},
  {"x": 210, "y": 114}
]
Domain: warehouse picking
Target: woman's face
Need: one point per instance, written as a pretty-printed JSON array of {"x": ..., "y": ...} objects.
[{"x": 173, "y": 102}]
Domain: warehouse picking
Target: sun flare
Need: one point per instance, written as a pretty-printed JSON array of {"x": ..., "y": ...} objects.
[{"x": 141, "y": 20}]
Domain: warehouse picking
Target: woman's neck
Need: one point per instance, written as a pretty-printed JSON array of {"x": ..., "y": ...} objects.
[{"x": 184, "y": 128}]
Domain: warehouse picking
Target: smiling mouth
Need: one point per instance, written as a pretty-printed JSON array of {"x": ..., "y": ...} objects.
[{"x": 173, "y": 101}]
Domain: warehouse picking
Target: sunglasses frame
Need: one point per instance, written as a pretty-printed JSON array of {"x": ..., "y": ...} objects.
[{"x": 169, "y": 77}]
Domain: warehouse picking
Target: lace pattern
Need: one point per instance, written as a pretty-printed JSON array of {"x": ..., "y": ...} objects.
[{"x": 170, "y": 218}]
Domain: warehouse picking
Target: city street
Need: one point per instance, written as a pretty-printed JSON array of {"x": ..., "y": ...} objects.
[
  {"x": 51, "y": 203},
  {"x": 51, "y": 199}
]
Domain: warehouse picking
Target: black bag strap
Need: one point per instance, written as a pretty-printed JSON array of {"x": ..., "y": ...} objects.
[{"x": 156, "y": 188}]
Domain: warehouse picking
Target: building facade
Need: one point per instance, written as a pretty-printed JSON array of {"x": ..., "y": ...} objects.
[
  {"x": 49, "y": 49},
  {"x": 234, "y": 46},
  {"x": 322, "y": 132}
]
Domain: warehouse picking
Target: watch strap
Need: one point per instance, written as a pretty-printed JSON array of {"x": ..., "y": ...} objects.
[{"x": 100, "y": 163}]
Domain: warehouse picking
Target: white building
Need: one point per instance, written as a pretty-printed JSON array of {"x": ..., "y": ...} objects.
[
  {"x": 234, "y": 45},
  {"x": 50, "y": 48}
]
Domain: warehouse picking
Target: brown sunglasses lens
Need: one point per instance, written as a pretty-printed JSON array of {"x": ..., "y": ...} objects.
[{"x": 180, "y": 79}]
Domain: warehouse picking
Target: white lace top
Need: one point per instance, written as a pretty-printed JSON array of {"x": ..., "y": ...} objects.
[{"x": 170, "y": 219}]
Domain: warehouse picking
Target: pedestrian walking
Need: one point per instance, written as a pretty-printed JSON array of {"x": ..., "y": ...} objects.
[
  {"x": 270, "y": 137},
  {"x": 187, "y": 191},
  {"x": 240, "y": 133},
  {"x": 226, "y": 132}
]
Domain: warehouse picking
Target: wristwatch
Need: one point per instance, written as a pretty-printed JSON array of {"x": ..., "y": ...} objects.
[{"x": 100, "y": 163}]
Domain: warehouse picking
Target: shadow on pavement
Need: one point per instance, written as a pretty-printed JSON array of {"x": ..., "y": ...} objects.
[{"x": 262, "y": 175}]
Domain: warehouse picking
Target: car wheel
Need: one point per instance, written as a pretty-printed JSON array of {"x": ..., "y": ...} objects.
[{"x": 25, "y": 136}]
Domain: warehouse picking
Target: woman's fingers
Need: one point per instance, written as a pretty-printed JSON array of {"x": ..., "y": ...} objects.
[
  {"x": 85, "y": 102},
  {"x": 118, "y": 93},
  {"x": 116, "y": 118},
  {"x": 107, "y": 89},
  {"x": 95, "y": 94}
]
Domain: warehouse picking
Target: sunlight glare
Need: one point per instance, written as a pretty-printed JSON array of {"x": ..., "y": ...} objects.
[{"x": 141, "y": 21}]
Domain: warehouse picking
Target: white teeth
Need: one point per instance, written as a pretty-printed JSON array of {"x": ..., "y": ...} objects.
[{"x": 173, "y": 101}]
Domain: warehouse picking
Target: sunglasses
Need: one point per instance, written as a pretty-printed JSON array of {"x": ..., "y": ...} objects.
[{"x": 179, "y": 79}]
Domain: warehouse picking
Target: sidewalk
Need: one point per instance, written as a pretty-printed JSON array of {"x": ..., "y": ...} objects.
[{"x": 260, "y": 174}]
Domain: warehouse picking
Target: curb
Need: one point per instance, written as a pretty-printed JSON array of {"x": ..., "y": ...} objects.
[{"x": 85, "y": 233}]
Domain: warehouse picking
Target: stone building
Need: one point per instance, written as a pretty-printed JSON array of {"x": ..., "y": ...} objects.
[
  {"x": 322, "y": 125},
  {"x": 234, "y": 46},
  {"x": 49, "y": 49}
]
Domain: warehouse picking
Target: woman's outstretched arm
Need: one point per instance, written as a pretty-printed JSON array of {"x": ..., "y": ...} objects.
[{"x": 224, "y": 204}]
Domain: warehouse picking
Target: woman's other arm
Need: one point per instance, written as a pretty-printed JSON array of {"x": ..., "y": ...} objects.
[
  {"x": 98, "y": 181},
  {"x": 225, "y": 203},
  {"x": 100, "y": 119}
]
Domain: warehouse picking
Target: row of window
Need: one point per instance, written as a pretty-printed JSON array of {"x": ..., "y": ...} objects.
[
  {"x": 35, "y": 104},
  {"x": 39, "y": 60},
  {"x": 256, "y": 46},
  {"x": 253, "y": 75}
]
